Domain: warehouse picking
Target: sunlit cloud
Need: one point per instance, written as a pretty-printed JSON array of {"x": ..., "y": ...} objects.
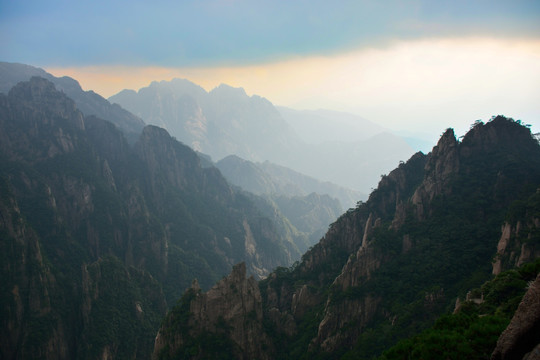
[{"x": 421, "y": 85}]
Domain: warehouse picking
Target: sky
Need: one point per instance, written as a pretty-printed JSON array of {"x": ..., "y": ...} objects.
[{"x": 411, "y": 66}]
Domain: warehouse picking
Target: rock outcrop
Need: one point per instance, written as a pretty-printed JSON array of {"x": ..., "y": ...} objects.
[
  {"x": 521, "y": 339},
  {"x": 517, "y": 244},
  {"x": 231, "y": 310},
  {"x": 443, "y": 163}
]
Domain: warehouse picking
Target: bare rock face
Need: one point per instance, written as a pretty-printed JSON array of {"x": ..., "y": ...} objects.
[
  {"x": 29, "y": 290},
  {"x": 443, "y": 162},
  {"x": 348, "y": 312},
  {"x": 231, "y": 309},
  {"x": 521, "y": 339},
  {"x": 516, "y": 245}
]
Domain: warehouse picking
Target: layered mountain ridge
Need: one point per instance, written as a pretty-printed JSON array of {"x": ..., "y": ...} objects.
[
  {"x": 272, "y": 179},
  {"x": 226, "y": 121},
  {"x": 386, "y": 269},
  {"x": 286, "y": 192},
  {"x": 102, "y": 230}
]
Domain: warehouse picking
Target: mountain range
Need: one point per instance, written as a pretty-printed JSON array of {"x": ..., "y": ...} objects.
[
  {"x": 100, "y": 236},
  {"x": 271, "y": 179},
  {"x": 226, "y": 121},
  {"x": 106, "y": 221},
  {"x": 92, "y": 104}
]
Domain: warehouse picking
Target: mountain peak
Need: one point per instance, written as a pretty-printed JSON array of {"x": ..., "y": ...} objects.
[
  {"x": 499, "y": 134},
  {"x": 224, "y": 89},
  {"x": 179, "y": 85},
  {"x": 447, "y": 140}
]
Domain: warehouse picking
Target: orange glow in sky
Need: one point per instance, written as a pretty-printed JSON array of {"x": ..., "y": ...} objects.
[{"x": 466, "y": 79}]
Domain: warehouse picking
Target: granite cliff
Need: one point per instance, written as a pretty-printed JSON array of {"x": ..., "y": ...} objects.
[
  {"x": 520, "y": 339},
  {"x": 235, "y": 321}
]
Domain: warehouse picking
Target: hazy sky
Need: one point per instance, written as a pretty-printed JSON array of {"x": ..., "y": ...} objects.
[{"x": 417, "y": 65}]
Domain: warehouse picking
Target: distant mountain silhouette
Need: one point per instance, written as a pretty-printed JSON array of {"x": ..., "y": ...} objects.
[
  {"x": 223, "y": 122},
  {"x": 226, "y": 121},
  {"x": 271, "y": 179},
  {"x": 295, "y": 197}
]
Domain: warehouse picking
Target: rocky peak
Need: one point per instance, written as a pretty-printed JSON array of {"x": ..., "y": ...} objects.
[
  {"x": 177, "y": 86},
  {"x": 499, "y": 134},
  {"x": 38, "y": 122},
  {"x": 88, "y": 102},
  {"x": 442, "y": 163},
  {"x": 227, "y": 91},
  {"x": 444, "y": 159},
  {"x": 173, "y": 163},
  {"x": 391, "y": 198},
  {"x": 232, "y": 309}
]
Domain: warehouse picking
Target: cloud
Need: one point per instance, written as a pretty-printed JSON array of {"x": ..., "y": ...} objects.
[
  {"x": 420, "y": 85},
  {"x": 240, "y": 32}
]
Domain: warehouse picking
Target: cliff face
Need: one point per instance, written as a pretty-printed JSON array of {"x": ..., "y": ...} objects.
[
  {"x": 98, "y": 236},
  {"x": 27, "y": 285},
  {"x": 517, "y": 244},
  {"x": 442, "y": 164},
  {"x": 520, "y": 339},
  {"x": 51, "y": 234},
  {"x": 236, "y": 317},
  {"x": 390, "y": 266}
]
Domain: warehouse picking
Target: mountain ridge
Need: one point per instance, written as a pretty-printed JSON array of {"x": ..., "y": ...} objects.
[
  {"x": 389, "y": 267},
  {"x": 88, "y": 102},
  {"x": 226, "y": 121},
  {"x": 269, "y": 178}
]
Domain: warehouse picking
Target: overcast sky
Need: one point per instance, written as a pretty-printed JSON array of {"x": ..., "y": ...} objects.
[{"x": 421, "y": 66}]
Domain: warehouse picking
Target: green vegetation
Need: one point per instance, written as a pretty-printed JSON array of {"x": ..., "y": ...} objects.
[
  {"x": 473, "y": 331},
  {"x": 205, "y": 345},
  {"x": 126, "y": 313},
  {"x": 423, "y": 264}
]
